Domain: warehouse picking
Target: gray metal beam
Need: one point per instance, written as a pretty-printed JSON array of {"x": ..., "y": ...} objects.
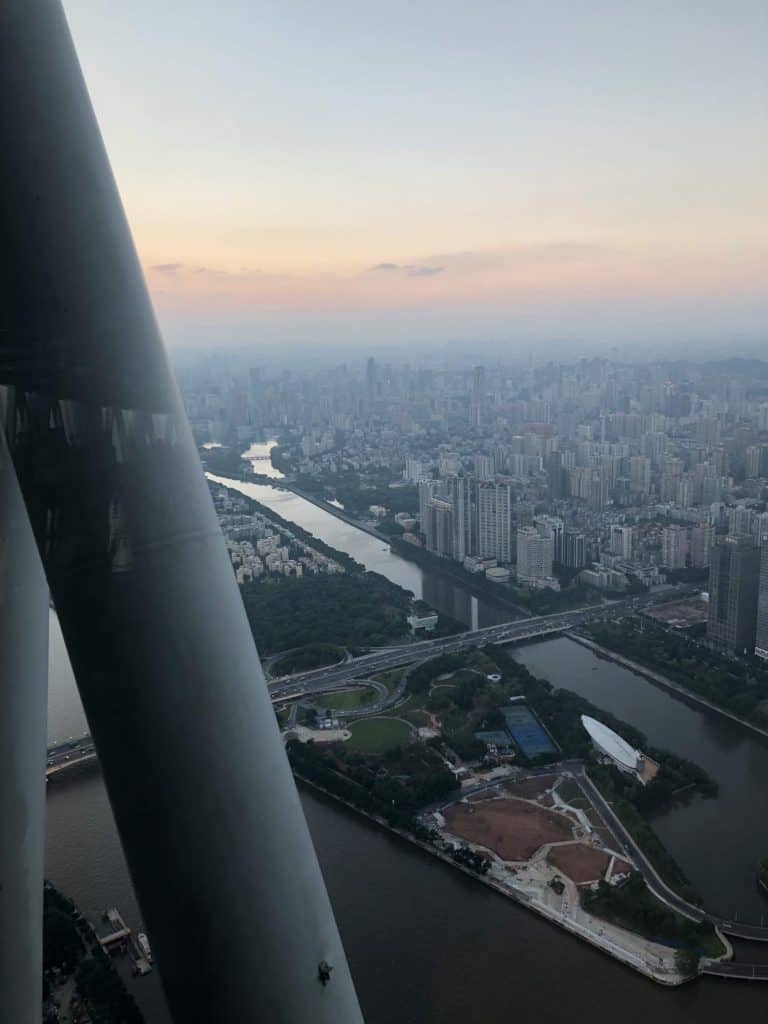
[
  {"x": 23, "y": 694},
  {"x": 204, "y": 801}
]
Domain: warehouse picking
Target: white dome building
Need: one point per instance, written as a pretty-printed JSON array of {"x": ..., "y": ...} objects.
[{"x": 625, "y": 757}]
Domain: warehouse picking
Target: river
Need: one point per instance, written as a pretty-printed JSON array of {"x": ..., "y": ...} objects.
[
  {"x": 439, "y": 591},
  {"x": 427, "y": 944},
  {"x": 719, "y": 840}
]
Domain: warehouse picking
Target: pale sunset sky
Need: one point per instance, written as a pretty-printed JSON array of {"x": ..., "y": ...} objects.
[{"x": 424, "y": 171}]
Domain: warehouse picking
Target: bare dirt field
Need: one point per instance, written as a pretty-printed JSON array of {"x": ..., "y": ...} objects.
[
  {"x": 529, "y": 789},
  {"x": 683, "y": 615},
  {"x": 621, "y": 867},
  {"x": 579, "y": 862},
  {"x": 511, "y": 828},
  {"x": 604, "y": 834}
]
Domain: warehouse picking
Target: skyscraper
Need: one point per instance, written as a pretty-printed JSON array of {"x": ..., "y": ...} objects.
[
  {"x": 671, "y": 473},
  {"x": 461, "y": 495},
  {"x": 589, "y": 483},
  {"x": 756, "y": 460},
  {"x": 554, "y": 527},
  {"x": 477, "y": 397},
  {"x": 534, "y": 555},
  {"x": 371, "y": 386},
  {"x": 702, "y": 538},
  {"x": 674, "y": 546},
  {"x": 574, "y": 549},
  {"x": 761, "y": 633},
  {"x": 439, "y": 527},
  {"x": 414, "y": 470},
  {"x": 484, "y": 467},
  {"x": 740, "y": 520},
  {"x": 621, "y": 541},
  {"x": 427, "y": 490},
  {"x": 494, "y": 524},
  {"x": 734, "y": 576}
]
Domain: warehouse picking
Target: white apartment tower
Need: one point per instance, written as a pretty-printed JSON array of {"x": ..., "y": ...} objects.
[
  {"x": 460, "y": 493},
  {"x": 535, "y": 554},
  {"x": 494, "y": 521}
]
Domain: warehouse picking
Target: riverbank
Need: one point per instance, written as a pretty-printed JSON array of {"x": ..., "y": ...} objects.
[
  {"x": 357, "y": 608},
  {"x": 445, "y": 595},
  {"x": 663, "y": 681},
  {"x": 477, "y": 585},
  {"x": 717, "y": 839},
  {"x": 588, "y": 840},
  {"x": 454, "y": 571},
  {"x": 80, "y": 980},
  {"x": 285, "y": 525},
  {"x": 601, "y": 942},
  {"x": 426, "y": 943},
  {"x": 326, "y": 506}
]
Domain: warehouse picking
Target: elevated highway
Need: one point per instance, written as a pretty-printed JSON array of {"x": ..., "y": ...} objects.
[
  {"x": 332, "y": 676},
  {"x": 65, "y": 755}
]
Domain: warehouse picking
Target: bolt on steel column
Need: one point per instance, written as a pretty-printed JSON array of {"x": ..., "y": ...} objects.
[{"x": 161, "y": 648}]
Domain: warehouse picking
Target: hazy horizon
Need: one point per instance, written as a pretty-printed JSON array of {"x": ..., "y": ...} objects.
[{"x": 512, "y": 175}]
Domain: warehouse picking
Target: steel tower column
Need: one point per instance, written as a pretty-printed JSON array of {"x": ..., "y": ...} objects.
[
  {"x": 207, "y": 809},
  {"x": 23, "y": 695}
]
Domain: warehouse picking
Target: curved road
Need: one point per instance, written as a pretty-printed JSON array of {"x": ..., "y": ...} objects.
[
  {"x": 654, "y": 881},
  {"x": 319, "y": 679}
]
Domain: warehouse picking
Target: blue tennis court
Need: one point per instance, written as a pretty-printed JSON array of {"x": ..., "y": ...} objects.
[{"x": 527, "y": 731}]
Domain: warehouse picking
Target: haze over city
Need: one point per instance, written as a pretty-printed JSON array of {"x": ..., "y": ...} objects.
[
  {"x": 383, "y": 512},
  {"x": 578, "y": 176}
]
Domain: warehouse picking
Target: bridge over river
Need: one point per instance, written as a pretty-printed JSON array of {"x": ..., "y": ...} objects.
[
  {"x": 77, "y": 752},
  {"x": 64, "y": 755},
  {"x": 332, "y": 676}
]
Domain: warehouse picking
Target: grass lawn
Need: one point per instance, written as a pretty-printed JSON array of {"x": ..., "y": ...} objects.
[
  {"x": 390, "y": 679},
  {"x": 346, "y": 699},
  {"x": 375, "y": 735}
]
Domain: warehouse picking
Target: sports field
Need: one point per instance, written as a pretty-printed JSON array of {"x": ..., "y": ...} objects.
[
  {"x": 375, "y": 735},
  {"x": 527, "y": 731}
]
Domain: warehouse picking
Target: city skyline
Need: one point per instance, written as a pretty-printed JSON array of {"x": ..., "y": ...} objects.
[
  {"x": 510, "y": 175},
  {"x": 448, "y": 564}
]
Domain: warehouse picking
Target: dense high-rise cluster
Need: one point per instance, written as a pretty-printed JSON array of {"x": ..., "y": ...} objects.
[{"x": 618, "y": 477}]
